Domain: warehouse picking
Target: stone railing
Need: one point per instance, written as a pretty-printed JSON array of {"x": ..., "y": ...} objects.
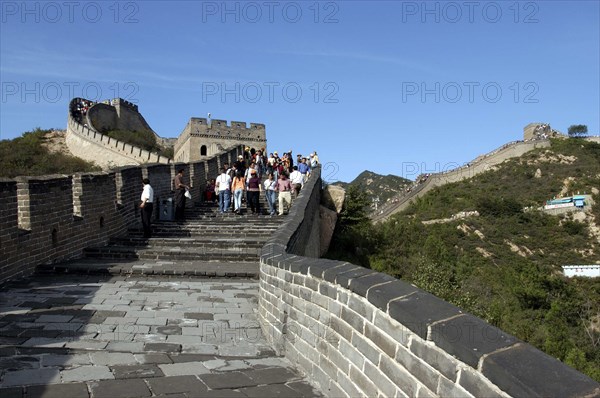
[
  {"x": 53, "y": 218},
  {"x": 358, "y": 332}
]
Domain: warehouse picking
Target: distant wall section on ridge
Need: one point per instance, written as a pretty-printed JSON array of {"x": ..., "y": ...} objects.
[
  {"x": 479, "y": 165},
  {"x": 85, "y": 139}
]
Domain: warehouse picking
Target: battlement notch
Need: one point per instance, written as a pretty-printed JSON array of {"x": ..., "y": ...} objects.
[{"x": 204, "y": 137}]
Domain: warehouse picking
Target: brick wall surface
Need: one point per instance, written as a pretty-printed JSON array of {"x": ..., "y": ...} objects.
[
  {"x": 356, "y": 332},
  {"x": 52, "y": 218}
]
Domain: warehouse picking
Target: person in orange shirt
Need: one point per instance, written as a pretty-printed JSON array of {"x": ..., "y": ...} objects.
[{"x": 238, "y": 186}]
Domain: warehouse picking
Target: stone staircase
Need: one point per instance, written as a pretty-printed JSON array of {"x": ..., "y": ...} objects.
[{"x": 205, "y": 244}]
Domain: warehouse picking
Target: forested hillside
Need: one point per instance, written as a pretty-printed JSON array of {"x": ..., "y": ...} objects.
[
  {"x": 32, "y": 155},
  {"x": 483, "y": 245}
]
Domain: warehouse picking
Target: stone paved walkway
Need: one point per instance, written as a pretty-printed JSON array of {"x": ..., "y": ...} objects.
[{"x": 102, "y": 336}]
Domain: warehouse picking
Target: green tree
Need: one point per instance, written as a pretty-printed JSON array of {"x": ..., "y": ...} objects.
[
  {"x": 356, "y": 208},
  {"x": 354, "y": 238},
  {"x": 142, "y": 139},
  {"x": 577, "y": 130},
  {"x": 576, "y": 359},
  {"x": 558, "y": 342},
  {"x": 498, "y": 207}
]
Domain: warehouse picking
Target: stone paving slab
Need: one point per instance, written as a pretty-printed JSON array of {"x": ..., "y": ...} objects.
[
  {"x": 165, "y": 343},
  {"x": 92, "y": 266},
  {"x": 58, "y": 390}
]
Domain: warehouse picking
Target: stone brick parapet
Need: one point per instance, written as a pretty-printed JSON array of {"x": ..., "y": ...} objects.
[
  {"x": 53, "y": 218},
  {"x": 356, "y": 332}
]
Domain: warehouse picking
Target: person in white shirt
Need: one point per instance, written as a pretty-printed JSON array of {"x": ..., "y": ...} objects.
[
  {"x": 314, "y": 160},
  {"x": 270, "y": 184},
  {"x": 147, "y": 207},
  {"x": 297, "y": 180},
  {"x": 224, "y": 186},
  {"x": 248, "y": 173}
]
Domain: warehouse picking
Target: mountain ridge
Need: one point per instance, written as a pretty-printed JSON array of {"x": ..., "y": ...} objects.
[{"x": 378, "y": 187}]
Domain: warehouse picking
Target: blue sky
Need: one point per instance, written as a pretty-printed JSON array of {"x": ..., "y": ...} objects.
[{"x": 393, "y": 87}]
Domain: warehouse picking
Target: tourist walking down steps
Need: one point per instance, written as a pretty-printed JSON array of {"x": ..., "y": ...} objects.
[
  {"x": 270, "y": 185},
  {"x": 238, "y": 186},
  {"x": 254, "y": 189},
  {"x": 284, "y": 187},
  {"x": 180, "y": 187},
  {"x": 147, "y": 200},
  {"x": 224, "y": 188}
]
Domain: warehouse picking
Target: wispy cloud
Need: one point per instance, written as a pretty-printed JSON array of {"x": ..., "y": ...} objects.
[
  {"x": 69, "y": 66},
  {"x": 371, "y": 58}
]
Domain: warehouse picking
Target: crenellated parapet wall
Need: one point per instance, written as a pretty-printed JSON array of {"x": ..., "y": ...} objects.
[
  {"x": 53, "y": 218},
  {"x": 202, "y": 138},
  {"x": 85, "y": 140},
  {"x": 356, "y": 332}
]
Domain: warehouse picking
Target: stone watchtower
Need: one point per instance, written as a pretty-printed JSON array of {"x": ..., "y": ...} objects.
[{"x": 201, "y": 138}]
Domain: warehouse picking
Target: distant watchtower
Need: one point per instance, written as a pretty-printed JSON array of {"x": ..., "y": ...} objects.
[{"x": 199, "y": 139}]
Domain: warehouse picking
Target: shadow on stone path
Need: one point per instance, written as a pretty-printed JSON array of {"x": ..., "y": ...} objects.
[{"x": 101, "y": 336}]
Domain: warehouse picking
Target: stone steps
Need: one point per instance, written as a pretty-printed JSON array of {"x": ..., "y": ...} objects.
[
  {"x": 91, "y": 266},
  {"x": 200, "y": 241},
  {"x": 209, "y": 232},
  {"x": 240, "y": 253},
  {"x": 230, "y": 226},
  {"x": 206, "y": 244}
]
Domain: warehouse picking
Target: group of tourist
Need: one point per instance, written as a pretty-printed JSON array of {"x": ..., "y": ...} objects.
[
  {"x": 80, "y": 109},
  {"x": 254, "y": 173},
  {"x": 542, "y": 131},
  {"x": 282, "y": 183}
]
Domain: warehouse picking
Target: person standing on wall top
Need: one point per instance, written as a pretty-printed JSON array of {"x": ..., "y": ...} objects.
[
  {"x": 314, "y": 160},
  {"x": 180, "y": 188},
  {"x": 147, "y": 207}
]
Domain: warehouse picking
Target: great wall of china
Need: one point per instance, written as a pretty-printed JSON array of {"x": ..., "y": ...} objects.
[
  {"x": 199, "y": 140},
  {"x": 86, "y": 141},
  {"x": 351, "y": 330},
  {"x": 479, "y": 165}
]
